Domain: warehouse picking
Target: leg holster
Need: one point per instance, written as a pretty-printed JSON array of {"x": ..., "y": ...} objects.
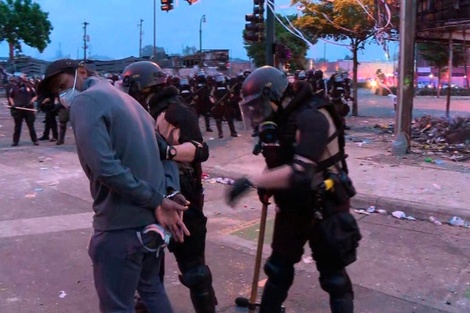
[{"x": 199, "y": 281}]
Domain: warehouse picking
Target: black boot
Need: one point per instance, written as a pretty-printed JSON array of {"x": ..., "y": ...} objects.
[
  {"x": 61, "y": 136},
  {"x": 204, "y": 300},
  {"x": 272, "y": 298},
  {"x": 344, "y": 304},
  {"x": 219, "y": 128}
]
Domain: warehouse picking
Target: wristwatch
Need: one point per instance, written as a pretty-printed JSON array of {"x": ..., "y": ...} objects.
[{"x": 171, "y": 152}]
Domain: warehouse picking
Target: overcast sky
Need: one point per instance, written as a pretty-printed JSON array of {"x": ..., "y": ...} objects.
[{"x": 114, "y": 32}]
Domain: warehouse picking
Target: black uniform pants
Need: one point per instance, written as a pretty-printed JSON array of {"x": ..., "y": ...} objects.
[
  {"x": 50, "y": 125},
  {"x": 292, "y": 229},
  {"x": 29, "y": 117}
]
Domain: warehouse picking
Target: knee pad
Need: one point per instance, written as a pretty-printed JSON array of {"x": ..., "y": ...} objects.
[
  {"x": 337, "y": 284},
  {"x": 279, "y": 272},
  {"x": 197, "y": 277}
]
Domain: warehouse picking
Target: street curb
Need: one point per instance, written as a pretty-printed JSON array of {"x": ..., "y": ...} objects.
[{"x": 418, "y": 210}]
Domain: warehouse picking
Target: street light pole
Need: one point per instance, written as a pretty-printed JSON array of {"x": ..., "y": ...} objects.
[
  {"x": 203, "y": 20},
  {"x": 140, "y": 38}
]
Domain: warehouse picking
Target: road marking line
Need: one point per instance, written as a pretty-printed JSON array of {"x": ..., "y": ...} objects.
[{"x": 44, "y": 225}]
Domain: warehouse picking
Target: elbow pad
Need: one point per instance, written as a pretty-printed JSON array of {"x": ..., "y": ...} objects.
[
  {"x": 302, "y": 174},
  {"x": 202, "y": 151}
]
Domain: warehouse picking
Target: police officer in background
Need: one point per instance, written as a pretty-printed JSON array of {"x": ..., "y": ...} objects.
[
  {"x": 21, "y": 98},
  {"x": 338, "y": 96},
  {"x": 222, "y": 106},
  {"x": 203, "y": 104},
  {"x": 185, "y": 91},
  {"x": 177, "y": 124},
  {"x": 303, "y": 146}
]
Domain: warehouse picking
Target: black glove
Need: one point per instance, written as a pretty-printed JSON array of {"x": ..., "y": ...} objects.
[
  {"x": 162, "y": 147},
  {"x": 264, "y": 195},
  {"x": 239, "y": 187}
]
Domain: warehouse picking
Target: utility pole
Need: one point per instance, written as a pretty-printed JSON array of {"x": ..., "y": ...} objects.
[
  {"x": 140, "y": 38},
  {"x": 85, "y": 24},
  {"x": 406, "y": 73},
  {"x": 451, "y": 56},
  {"x": 155, "y": 30},
  {"x": 270, "y": 34}
]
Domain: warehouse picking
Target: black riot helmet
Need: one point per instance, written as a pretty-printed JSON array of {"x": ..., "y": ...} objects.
[
  {"x": 264, "y": 86},
  {"x": 318, "y": 74},
  {"x": 142, "y": 77}
]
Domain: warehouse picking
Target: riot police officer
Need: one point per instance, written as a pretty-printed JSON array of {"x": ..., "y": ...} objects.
[
  {"x": 222, "y": 106},
  {"x": 185, "y": 91},
  {"x": 337, "y": 94},
  {"x": 303, "y": 146},
  {"x": 183, "y": 143},
  {"x": 203, "y": 104}
]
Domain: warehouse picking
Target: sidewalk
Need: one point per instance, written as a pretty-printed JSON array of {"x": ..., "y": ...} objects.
[{"x": 407, "y": 183}]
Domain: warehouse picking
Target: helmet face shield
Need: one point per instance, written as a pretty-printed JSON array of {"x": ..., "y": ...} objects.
[{"x": 256, "y": 109}]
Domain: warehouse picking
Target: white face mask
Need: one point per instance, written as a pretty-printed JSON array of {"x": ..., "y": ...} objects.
[{"x": 67, "y": 96}]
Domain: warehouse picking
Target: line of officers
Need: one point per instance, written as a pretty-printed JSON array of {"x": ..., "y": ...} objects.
[
  {"x": 218, "y": 96},
  {"x": 213, "y": 96}
]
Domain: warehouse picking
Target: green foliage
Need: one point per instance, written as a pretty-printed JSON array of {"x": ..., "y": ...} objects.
[
  {"x": 23, "y": 21},
  {"x": 189, "y": 50},
  {"x": 437, "y": 54},
  {"x": 298, "y": 48},
  {"x": 342, "y": 20}
]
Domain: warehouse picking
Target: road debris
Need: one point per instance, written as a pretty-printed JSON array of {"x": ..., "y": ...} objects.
[{"x": 447, "y": 137}]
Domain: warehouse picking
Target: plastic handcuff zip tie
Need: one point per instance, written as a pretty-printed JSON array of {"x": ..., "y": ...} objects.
[{"x": 160, "y": 231}]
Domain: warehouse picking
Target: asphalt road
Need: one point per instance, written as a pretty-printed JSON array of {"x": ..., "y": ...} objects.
[{"x": 45, "y": 222}]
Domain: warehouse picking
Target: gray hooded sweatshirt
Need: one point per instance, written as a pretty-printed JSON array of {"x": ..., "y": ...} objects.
[{"x": 118, "y": 152}]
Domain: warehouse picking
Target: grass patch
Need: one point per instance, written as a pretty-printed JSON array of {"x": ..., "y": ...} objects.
[
  {"x": 251, "y": 232},
  {"x": 467, "y": 294}
]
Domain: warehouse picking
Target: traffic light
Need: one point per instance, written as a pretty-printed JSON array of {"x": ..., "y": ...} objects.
[
  {"x": 254, "y": 30},
  {"x": 167, "y": 5}
]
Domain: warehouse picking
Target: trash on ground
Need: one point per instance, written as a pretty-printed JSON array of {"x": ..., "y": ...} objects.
[
  {"x": 361, "y": 211},
  {"x": 382, "y": 211},
  {"x": 30, "y": 195},
  {"x": 457, "y": 221},
  {"x": 433, "y": 220},
  {"x": 437, "y": 186},
  {"x": 398, "y": 214},
  {"x": 410, "y": 218},
  {"x": 38, "y": 189},
  {"x": 449, "y": 137},
  {"x": 371, "y": 209},
  {"x": 62, "y": 294}
]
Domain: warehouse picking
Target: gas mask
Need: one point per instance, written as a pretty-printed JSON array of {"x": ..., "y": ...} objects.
[{"x": 66, "y": 97}]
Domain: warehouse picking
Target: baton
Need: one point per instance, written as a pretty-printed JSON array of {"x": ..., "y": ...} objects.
[
  {"x": 19, "y": 108},
  {"x": 251, "y": 303}
]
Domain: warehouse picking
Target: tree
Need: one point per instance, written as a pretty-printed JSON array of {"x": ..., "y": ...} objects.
[
  {"x": 147, "y": 52},
  {"x": 189, "y": 50},
  {"x": 437, "y": 54},
  {"x": 289, "y": 48},
  {"x": 22, "y": 21},
  {"x": 344, "y": 20}
]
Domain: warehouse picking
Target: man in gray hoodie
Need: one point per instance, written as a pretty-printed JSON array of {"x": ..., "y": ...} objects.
[{"x": 117, "y": 149}]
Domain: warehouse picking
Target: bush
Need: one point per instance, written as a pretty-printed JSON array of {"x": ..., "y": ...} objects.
[{"x": 433, "y": 92}]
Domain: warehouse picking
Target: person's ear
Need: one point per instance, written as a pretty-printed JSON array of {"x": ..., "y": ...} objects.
[{"x": 82, "y": 72}]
